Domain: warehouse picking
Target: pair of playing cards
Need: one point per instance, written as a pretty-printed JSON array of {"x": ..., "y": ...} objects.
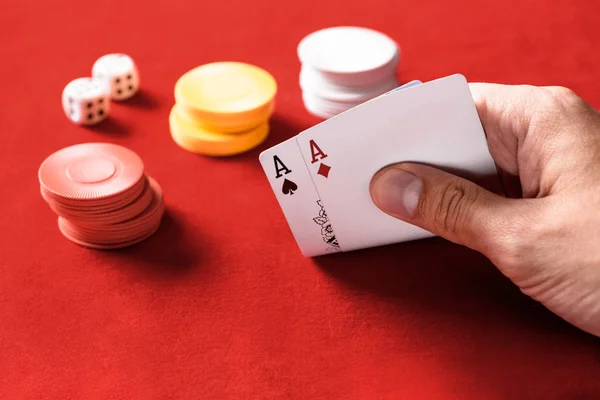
[{"x": 322, "y": 176}]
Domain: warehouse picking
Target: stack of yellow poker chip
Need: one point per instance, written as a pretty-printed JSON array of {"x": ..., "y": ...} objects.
[{"x": 222, "y": 108}]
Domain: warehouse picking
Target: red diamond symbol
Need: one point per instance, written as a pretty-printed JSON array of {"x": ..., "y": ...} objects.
[{"x": 324, "y": 170}]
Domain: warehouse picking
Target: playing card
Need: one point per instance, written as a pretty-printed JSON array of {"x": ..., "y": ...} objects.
[
  {"x": 405, "y": 86},
  {"x": 434, "y": 123},
  {"x": 298, "y": 198}
]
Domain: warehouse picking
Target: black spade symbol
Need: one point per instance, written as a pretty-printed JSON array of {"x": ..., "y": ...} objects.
[{"x": 289, "y": 187}]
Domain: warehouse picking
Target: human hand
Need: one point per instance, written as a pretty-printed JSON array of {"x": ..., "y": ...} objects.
[{"x": 548, "y": 242}]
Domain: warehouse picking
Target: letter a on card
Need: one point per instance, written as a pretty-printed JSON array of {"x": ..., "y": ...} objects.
[
  {"x": 316, "y": 152},
  {"x": 316, "y": 155}
]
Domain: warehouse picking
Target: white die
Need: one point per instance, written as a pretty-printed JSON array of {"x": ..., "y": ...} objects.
[
  {"x": 120, "y": 73},
  {"x": 86, "y": 101}
]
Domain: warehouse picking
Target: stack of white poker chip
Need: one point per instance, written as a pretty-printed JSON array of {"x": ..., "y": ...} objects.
[{"x": 343, "y": 67}]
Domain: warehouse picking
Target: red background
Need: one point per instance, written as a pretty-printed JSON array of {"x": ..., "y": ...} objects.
[{"x": 220, "y": 304}]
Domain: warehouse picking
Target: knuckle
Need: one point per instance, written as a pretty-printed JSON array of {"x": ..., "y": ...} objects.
[
  {"x": 556, "y": 107},
  {"x": 451, "y": 206},
  {"x": 560, "y": 92},
  {"x": 561, "y": 97},
  {"x": 509, "y": 251}
]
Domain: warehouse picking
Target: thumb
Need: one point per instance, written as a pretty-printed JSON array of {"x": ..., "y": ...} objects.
[{"x": 444, "y": 204}]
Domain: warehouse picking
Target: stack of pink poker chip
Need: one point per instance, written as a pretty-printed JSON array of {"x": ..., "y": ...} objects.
[{"x": 101, "y": 195}]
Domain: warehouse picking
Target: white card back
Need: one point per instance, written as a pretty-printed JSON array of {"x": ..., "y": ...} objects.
[{"x": 434, "y": 123}]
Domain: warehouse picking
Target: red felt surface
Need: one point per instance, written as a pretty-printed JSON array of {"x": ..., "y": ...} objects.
[{"x": 220, "y": 304}]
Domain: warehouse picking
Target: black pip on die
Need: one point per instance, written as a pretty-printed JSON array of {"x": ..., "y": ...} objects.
[
  {"x": 85, "y": 101},
  {"x": 120, "y": 74}
]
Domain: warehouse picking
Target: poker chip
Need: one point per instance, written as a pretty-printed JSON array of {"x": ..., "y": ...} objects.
[
  {"x": 314, "y": 106},
  {"x": 120, "y": 234},
  {"x": 314, "y": 84},
  {"x": 236, "y": 126},
  {"x": 349, "y": 52},
  {"x": 343, "y": 67},
  {"x": 222, "y": 108},
  {"x": 104, "y": 246},
  {"x": 90, "y": 171},
  {"x": 195, "y": 139},
  {"x": 101, "y": 195}
]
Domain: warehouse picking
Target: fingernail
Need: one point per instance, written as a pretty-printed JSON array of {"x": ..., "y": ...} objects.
[{"x": 397, "y": 192}]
